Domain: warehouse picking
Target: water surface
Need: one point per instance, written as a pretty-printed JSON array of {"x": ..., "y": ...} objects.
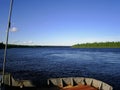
[{"x": 43, "y": 63}]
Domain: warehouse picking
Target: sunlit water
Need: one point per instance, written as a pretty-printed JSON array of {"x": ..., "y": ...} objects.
[{"x": 43, "y": 63}]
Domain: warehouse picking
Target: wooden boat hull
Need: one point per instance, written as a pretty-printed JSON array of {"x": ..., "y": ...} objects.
[
  {"x": 74, "y": 81},
  {"x": 58, "y": 83}
]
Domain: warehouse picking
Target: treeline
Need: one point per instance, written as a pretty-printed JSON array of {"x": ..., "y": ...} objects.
[
  {"x": 98, "y": 45},
  {"x": 2, "y": 46},
  {"x": 21, "y": 46}
]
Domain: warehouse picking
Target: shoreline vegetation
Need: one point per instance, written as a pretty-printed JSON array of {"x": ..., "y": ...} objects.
[
  {"x": 2, "y": 46},
  {"x": 98, "y": 45},
  {"x": 83, "y": 45}
]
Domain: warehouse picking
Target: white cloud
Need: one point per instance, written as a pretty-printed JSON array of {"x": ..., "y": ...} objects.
[
  {"x": 28, "y": 42},
  {"x": 18, "y": 42},
  {"x": 13, "y": 29},
  {"x": 96, "y": 39}
]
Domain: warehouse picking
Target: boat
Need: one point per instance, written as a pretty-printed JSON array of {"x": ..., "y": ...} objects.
[{"x": 70, "y": 83}]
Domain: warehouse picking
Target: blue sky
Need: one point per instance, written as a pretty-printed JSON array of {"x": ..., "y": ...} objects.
[{"x": 61, "y": 22}]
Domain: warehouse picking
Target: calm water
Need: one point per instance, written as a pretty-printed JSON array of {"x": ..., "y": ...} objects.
[{"x": 42, "y": 63}]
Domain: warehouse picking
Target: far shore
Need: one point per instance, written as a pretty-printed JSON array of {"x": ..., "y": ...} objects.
[
  {"x": 98, "y": 45},
  {"x": 83, "y": 45},
  {"x": 2, "y": 46}
]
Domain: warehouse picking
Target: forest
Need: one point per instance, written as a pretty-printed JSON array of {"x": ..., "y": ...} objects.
[
  {"x": 83, "y": 45},
  {"x": 98, "y": 45},
  {"x": 2, "y": 45}
]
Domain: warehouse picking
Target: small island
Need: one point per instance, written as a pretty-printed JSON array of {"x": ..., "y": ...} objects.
[{"x": 98, "y": 45}]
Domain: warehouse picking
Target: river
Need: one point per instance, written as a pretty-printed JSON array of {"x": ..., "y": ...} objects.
[{"x": 49, "y": 62}]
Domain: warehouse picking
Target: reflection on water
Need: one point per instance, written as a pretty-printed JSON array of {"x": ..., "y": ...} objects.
[{"x": 43, "y": 63}]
